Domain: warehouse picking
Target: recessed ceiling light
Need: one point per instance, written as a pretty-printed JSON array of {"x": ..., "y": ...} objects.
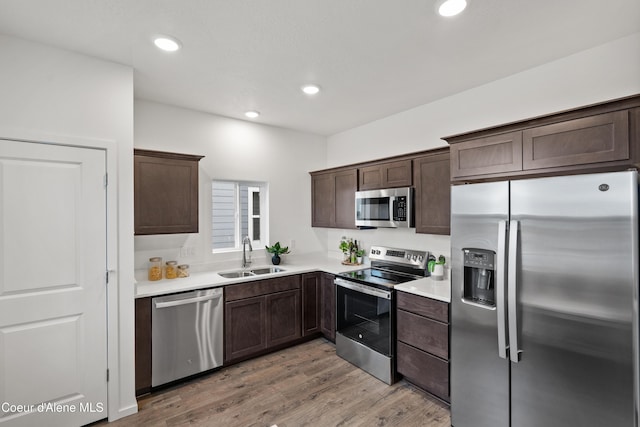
[
  {"x": 166, "y": 43},
  {"x": 252, "y": 114},
  {"x": 451, "y": 7},
  {"x": 311, "y": 89}
]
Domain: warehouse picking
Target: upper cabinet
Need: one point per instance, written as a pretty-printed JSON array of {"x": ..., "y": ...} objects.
[
  {"x": 165, "y": 192},
  {"x": 599, "y": 137},
  {"x": 333, "y": 190},
  {"x": 432, "y": 196},
  {"x": 385, "y": 175},
  {"x": 333, "y": 198}
]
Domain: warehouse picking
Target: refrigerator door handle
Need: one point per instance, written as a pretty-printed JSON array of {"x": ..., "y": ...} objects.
[
  {"x": 512, "y": 286},
  {"x": 501, "y": 259}
]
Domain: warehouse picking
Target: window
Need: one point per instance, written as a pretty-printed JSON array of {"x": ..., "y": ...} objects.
[{"x": 238, "y": 209}]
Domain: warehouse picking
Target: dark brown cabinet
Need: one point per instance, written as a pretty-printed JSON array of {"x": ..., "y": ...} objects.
[
  {"x": 432, "y": 204},
  {"x": 283, "y": 317},
  {"x": 311, "y": 307},
  {"x": 165, "y": 192},
  {"x": 601, "y": 137},
  {"x": 260, "y": 316},
  {"x": 496, "y": 154},
  {"x": 385, "y": 175},
  {"x": 333, "y": 198},
  {"x": 423, "y": 342},
  {"x": 328, "y": 306},
  {"x": 244, "y": 324},
  {"x": 143, "y": 345}
]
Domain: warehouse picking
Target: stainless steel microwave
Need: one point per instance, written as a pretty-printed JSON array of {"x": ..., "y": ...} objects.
[{"x": 392, "y": 207}]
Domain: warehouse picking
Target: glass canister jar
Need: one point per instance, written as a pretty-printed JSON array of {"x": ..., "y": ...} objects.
[
  {"x": 155, "y": 268},
  {"x": 171, "y": 270},
  {"x": 183, "y": 270}
]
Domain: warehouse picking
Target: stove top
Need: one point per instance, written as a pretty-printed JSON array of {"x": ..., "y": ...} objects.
[
  {"x": 390, "y": 267},
  {"x": 378, "y": 278}
]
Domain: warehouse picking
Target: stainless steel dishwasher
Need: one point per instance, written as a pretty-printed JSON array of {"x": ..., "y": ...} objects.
[{"x": 186, "y": 334}]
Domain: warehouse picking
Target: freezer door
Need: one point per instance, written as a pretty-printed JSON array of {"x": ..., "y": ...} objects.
[
  {"x": 576, "y": 293},
  {"x": 479, "y": 376}
]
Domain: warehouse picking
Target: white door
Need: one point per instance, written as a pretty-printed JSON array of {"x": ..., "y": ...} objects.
[{"x": 53, "y": 329}]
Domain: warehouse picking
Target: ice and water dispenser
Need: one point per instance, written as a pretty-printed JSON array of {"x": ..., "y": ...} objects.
[{"x": 479, "y": 276}]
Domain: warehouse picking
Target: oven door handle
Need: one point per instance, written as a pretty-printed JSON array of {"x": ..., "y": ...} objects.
[{"x": 362, "y": 288}]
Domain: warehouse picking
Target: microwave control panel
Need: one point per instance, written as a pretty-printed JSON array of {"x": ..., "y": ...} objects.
[{"x": 400, "y": 208}]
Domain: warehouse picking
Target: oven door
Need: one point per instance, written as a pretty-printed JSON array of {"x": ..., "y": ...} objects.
[{"x": 365, "y": 314}]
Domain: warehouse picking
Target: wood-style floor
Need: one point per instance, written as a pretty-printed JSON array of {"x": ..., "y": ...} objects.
[{"x": 307, "y": 385}]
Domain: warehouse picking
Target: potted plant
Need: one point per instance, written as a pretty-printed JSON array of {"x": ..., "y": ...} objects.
[
  {"x": 277, "y": 250},
  {"x": 345, "y": 246},
  {"x": 359, "y": 254}
]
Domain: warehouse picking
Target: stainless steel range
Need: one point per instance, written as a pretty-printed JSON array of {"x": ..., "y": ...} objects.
[{"x": 365, "y": 309}]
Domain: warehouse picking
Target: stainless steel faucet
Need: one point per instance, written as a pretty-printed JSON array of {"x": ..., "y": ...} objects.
[{"x": 245, "y": 262}]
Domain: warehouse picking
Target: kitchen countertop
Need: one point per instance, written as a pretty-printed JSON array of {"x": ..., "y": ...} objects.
[
  {"x": 427, "y": 287},
  {"x": 299, "y": 264}
]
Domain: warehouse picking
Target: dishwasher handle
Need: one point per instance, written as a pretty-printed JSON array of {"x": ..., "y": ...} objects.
[{"x": 184, "y": 301}]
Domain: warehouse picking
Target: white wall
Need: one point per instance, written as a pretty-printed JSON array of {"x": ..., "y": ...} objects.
[
  {"x": 61, "y": 96},
  {"x": 605, "y": 72},
  {"x": 233, "y": 150}
]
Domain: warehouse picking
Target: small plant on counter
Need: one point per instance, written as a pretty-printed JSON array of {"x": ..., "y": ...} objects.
[
  {"x": 345, "y": 246},
  {"x": 277, "y": 250}
]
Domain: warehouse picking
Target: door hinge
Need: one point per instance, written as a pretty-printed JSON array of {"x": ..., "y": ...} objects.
[
  {"x": 106, "y": 276},
  {"x": 106, "y": 179},
  {"x": 107, "y": 375}
]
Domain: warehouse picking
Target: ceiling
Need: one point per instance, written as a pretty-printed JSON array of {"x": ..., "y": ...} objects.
[{"x": 372, "y": 58}]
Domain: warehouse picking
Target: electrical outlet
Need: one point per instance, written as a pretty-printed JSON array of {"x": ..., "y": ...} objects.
[{"x": 187, "y": 251}]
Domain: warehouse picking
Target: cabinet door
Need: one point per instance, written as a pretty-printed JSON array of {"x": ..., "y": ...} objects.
[
  {"x": 165, "y": 193},
  {"x": 310, "y": 303},
  {"x": 424, "y": 370},
  {"x": 346, "y": 185},
  {"x": 423, "y": 306},
  {"x": 423, "y": 333},
  {"x": 432, "y": 194},
  {"x": 283, "y": 317},
  {"x": 595, "y": 139},
  {"x": 328, "y": 306},
  {"x": 143, "y": 345},
  {"x": 322, "y": 200},
  {"x": 244, "y": 325},
  {"x": 491, "y": 155},
  {"x": 385, "y": 175}
]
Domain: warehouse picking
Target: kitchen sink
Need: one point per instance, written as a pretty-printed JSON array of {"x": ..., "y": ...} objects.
[
  {"x": 267, "y": 270},
  {"x": 236, "y": 274},
  {"x": 250, "y": 273}
]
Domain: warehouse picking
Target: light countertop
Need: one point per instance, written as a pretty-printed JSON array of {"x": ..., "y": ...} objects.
[
  {"x": 439, "y": 290},
  {"x": 427, "y": 287}
]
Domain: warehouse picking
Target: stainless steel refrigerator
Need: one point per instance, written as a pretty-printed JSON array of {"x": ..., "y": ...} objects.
[{"x": 544, "y": 326}]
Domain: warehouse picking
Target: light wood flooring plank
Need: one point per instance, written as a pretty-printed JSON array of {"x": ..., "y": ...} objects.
[{"x": 306, "y": 385}]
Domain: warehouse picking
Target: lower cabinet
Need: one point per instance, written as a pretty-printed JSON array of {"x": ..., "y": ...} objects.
[
  {"x": 423, "y": 343},
  {"x": 143, "y": 345},
  {"x": 261, "y": 315},
  {"x": 244, "y": 327},
  {"x": 258, "y": 316},
  {"x": 311, "y": 303},
  {"x": 328, "y": 306}
]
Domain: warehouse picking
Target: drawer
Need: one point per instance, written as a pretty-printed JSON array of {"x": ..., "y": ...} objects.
[
  {"x": 261, "y": 287},
  {"x": 424, "y": 370},
  {"x": 423, "y": 306},
  {"x": 423, "y": 333}
]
